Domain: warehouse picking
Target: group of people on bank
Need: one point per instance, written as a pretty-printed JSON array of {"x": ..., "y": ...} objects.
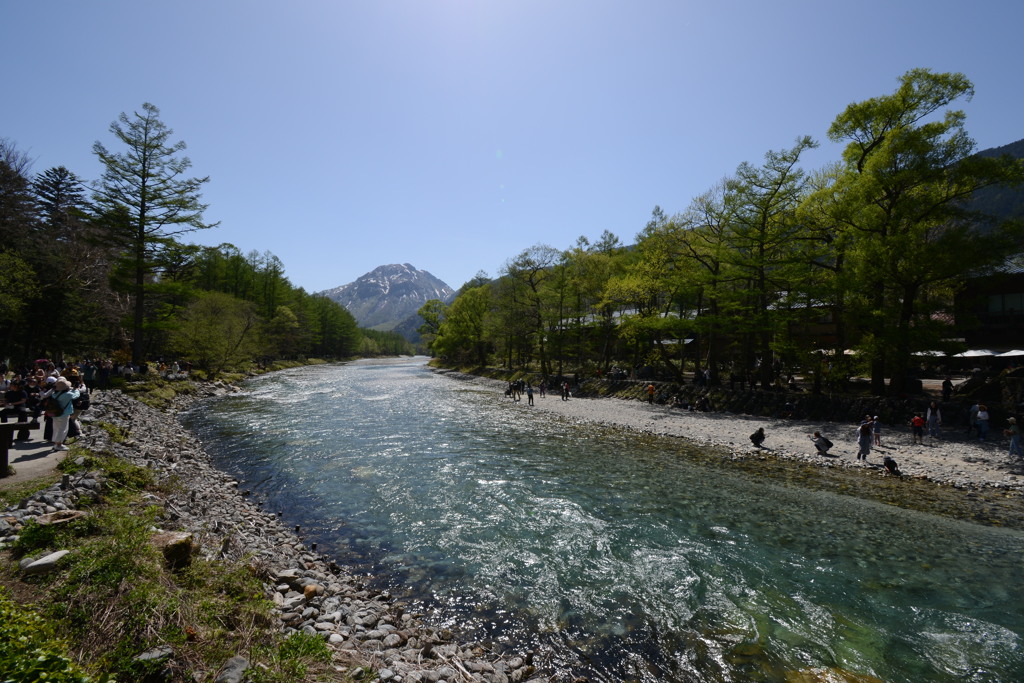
[
  {"x": 58, "y": 392},
  {"x": 58, "y": 395},
  {"x": 869, "y": 433},
  {"x": 516, "y": 389}
]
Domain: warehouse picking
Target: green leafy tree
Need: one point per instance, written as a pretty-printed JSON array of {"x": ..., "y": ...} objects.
[
  {"x": 766, "y": 259},
  {"x": 527, "y": 276},
  {"x": 432, "y": 313},
  {"x": 901, "y": 198},
  {"x": 17, "y": 282},
  {"x": 217, "y": 332},
  {"x": 18, "y": 210},
  {"x": 583, "y": 313},
  {"x": 285, "y": 331},
  {"x": 462, "y": 336},
  {"x": 147, "y": 200}
]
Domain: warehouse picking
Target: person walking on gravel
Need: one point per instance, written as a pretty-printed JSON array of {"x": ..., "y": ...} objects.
[{"x": 864, "y": 438}]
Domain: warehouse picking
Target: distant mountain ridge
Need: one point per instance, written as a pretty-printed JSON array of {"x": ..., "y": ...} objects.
[
  {"x": 388, "y": 296},
  {"x": 1001, "y": 201}
]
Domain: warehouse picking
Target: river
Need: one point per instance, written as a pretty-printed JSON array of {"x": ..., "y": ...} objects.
[{"x": 613, "y": 556}]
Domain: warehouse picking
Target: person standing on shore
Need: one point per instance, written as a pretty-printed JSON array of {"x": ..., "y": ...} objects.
[
  {"x": 650, "y": 393},
  {"x": 529, "y": 394},
  {"x": 64, "y": 395},
  {"x": 947, "y": 389},
  {"x": 934, "y": 420},
  {"x": 982, "y": 419},
  {"x": 972, "y": 418},
  {"x": 864, "y": 438},
  {"x": 876, "y": 430},
  {"x": 917, "y": 428},
  {"x": 1013, "y": 431}
]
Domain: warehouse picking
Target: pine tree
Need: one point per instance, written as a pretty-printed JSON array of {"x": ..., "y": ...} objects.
[{"x": 146, "y": 201}]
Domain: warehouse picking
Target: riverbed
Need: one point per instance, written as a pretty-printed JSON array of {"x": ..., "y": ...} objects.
[{"x": 614, "y": 555}]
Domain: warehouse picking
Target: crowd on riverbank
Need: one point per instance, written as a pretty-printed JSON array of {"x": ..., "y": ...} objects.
[{"x": 955, "y": 457}]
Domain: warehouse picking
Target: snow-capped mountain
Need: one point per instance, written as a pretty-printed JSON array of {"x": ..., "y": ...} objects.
[{"x": 388, "y": 295}]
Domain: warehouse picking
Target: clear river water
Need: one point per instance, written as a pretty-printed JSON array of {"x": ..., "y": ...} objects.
[{"x": 613, "y": 556}]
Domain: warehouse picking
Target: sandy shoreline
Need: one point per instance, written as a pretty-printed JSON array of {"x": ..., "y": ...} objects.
[{"x": 953, "y": 459}]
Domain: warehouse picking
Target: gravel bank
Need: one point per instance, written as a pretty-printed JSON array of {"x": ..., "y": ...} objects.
[{"x": 954, "y": 459}]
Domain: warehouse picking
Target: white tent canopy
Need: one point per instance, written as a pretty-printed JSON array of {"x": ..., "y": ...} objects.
[
  {"x": 975, "y": 353},
  {"x": 1015, "y": 352}
]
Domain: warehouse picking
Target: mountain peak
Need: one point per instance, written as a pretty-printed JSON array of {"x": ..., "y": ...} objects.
[{"x": 388, "y": 295}]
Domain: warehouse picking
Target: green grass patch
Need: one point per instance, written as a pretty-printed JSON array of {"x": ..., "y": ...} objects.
[
  {"x": 12, "y": 494},
  {"x": 113, "y": 597},
  {"x": 157, "y": 392},
  {"x": 31, "y": 651},
  {"x": 296, "y": 658},
  {"x": 117, "y": 434},
  {"x": 122, "y": 477}
]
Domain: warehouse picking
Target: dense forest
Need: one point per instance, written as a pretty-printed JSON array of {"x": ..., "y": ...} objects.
[
  {"x": 99, "y": 269},
  {"x": 851, "y": 269}
]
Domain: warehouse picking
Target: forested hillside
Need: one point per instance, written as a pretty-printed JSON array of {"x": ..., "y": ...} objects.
[
  {"x": 1001, "y": 201},
  {"x": 848, "y": 270},
  {"x": 100, "y": 269}
]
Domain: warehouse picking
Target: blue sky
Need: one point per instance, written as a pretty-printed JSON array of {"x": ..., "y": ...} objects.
[{"x": 454, "y": 134}]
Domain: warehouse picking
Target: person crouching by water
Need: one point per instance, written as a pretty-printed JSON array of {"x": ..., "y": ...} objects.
[
  {"x": 757, "y": 438},
  {"x": 821, "y": 443},
  {"x": 864, "y": 438},
  {"x": 891, "y": 467}
]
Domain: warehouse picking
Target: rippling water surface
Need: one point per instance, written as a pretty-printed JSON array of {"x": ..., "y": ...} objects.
[{"x": 615, "y": 557}]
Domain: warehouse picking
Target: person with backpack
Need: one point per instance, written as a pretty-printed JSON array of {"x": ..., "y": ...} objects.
[
  {"x": 61, "y": 409},
  {"x": 821, "y": 443},
  {"x": 80, "y": 405}
]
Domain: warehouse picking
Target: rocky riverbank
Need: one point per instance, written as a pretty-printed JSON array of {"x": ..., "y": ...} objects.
[
  {"x": 953, "y": 458},
  {"x": 311, "y": 593}
]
